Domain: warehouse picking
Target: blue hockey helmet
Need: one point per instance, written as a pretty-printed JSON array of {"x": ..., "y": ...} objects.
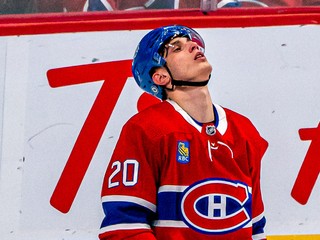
[{"x": 148, "y": 54}]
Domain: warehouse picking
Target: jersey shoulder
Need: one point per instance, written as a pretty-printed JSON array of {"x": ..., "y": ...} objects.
[
  {"x": 161, "y": 111},
  {"x": 155, "y": 121},
  {"x": 239, "y": 125},
  {"x": 239, "y": 120},
  {"x": 242, "y": 127}
]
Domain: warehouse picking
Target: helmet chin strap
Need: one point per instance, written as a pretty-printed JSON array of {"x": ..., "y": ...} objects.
[{"x": 185, "y": 83}]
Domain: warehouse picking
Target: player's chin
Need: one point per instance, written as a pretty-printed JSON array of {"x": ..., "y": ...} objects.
[{"x": 205, "y": 70}]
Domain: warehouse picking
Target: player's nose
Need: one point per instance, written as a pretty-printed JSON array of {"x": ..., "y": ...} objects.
[{"x": 193, "y": 46}]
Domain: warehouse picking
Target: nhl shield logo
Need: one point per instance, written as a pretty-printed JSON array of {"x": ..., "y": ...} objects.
[
  {"x": 183, "y": 152},
  {"x": 211, "y": 130}
]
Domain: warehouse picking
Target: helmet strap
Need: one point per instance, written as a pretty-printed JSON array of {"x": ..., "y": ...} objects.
[{"x": 185, "y": 83}]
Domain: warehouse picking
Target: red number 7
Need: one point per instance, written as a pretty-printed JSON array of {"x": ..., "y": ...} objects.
[
  {"x": 114, "y": 75},
  {"x": 310, "y": 168}
]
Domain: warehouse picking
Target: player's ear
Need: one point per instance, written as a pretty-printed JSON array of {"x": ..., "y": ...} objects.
[{"x": 161, "y": 76}]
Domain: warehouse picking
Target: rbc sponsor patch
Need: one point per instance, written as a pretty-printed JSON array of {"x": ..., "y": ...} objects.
[{"x": 183, "y": 152}]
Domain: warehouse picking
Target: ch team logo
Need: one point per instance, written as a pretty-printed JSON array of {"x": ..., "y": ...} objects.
[{"x": 216, "y": 206}]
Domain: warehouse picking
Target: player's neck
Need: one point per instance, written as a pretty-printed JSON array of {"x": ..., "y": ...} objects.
[{"x": 196, "y": 101}]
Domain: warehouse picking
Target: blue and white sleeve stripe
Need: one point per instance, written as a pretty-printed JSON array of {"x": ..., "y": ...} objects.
[
  {"x": 126, "y": 212},
  {"x": 258, "y": 224}
]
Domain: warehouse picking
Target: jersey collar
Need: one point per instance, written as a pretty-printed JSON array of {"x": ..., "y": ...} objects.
[{"x": 220, "y": 116}]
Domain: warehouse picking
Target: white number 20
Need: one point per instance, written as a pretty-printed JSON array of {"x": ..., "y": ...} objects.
[{"x": 127, "y": 181}]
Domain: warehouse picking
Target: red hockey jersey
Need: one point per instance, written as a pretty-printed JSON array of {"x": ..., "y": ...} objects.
[{"x": 173, "y": 178}]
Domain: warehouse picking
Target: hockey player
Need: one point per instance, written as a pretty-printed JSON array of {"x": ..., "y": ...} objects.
[{"x": 184, "y": 168}]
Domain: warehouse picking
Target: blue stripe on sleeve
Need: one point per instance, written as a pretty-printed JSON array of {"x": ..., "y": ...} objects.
[
  {"x": 258, "y": 227},
  {"x": 125, "y": 212}
]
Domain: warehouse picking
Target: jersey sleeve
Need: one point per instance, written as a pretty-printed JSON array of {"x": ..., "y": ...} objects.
[
  {"x": 129, "y": 188},
  {"x": 257, "y": 148}
]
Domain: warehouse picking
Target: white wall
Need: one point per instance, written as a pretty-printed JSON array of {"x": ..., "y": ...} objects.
[{"x": 269, "y": 74}]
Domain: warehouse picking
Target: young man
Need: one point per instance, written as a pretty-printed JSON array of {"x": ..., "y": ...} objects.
[{"x": 184, "y": 168}]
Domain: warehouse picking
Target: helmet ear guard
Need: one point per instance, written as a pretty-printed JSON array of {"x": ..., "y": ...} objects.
[{"x": 147, "y": 56}]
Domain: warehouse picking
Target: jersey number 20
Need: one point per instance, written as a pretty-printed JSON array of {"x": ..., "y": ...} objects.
[{"x": 129, "y": 170}]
